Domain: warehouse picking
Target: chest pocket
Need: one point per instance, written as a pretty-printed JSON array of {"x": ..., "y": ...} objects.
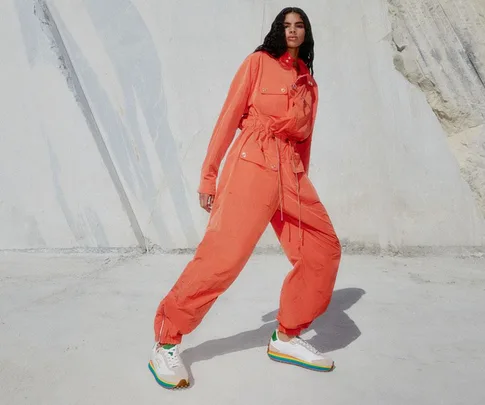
[{"x": 273, "y": 99}]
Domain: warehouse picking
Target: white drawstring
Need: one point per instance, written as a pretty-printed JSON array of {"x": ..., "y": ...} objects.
[{"x": 297, "y": 183}]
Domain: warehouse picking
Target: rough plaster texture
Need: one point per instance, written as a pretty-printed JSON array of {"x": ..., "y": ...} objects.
[
  {"x": 107, "y": 109},
  {"x": 440, "y": 47},
  {"x": 78, "y": 330}
]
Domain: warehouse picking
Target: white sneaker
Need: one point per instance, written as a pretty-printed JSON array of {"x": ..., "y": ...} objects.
[
  {"x": 299, "y": 353},
  {"x": 167, "y": 367}
]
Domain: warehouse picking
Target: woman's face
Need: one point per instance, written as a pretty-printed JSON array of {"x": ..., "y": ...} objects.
[{"x": 294, "y": 30}]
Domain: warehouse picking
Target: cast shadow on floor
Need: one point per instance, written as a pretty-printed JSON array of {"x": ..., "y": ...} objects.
[{"x": 334, "y": 330}]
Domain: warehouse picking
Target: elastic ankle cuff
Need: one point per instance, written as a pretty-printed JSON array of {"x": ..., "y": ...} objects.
[{"x": 289, "y": 332}]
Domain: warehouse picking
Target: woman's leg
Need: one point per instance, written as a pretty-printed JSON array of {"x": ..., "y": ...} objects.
[
  {"x": 308, "y": 287},
  {"x": 240, "y": 214}
]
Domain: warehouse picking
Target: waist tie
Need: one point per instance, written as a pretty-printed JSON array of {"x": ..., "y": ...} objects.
[
  {"x": 249, "y": 121},
  {"x": 280, "y": 183}
]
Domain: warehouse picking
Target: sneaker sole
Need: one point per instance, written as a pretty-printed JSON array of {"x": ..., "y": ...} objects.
[
  {"x": 281, "y": 358},
  {"x": 181, "y": 384}
]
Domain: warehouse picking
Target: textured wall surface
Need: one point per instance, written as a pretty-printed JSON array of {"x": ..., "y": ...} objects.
[
  {"x": 55, "y": 190},
  {"x": 440, "y": 47},
  {"x": 107, "y": 107}
]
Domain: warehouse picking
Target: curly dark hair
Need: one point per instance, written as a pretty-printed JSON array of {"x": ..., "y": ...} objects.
[{"x": 275, "y": 41}]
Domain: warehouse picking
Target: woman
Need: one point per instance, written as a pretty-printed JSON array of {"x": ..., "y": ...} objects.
[{"x": 273, "y": 100}]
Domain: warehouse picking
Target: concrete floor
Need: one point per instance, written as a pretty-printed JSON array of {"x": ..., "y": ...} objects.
[{"x": 77, "y": 329}]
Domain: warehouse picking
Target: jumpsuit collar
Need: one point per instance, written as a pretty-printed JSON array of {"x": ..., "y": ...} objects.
[{"x": 287, "y": 60}]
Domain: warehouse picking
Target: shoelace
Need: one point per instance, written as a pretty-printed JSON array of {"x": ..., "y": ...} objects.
[
  {"x": 308, "y": 346},
  {"x": 172, "y": 356}
]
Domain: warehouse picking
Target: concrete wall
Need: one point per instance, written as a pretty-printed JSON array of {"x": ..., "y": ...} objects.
[
  {"x": 440, "y": 47},
  {"x": 55, "y": 190},
  {"x": 107, "y": 108}
]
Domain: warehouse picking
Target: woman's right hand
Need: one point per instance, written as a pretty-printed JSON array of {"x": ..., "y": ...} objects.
[{"x": 206, "y": 201}]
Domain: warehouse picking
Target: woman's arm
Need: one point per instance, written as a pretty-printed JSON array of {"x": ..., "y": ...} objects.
[{"x": 228, "y": 122}]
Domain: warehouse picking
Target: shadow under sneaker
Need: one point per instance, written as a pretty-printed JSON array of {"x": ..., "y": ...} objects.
[
  {"x": 167, "y": 367},
  {"x": 298, "y": 352}
]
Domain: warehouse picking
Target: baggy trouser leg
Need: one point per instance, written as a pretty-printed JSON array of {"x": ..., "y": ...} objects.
[
  {"x": 308, "y": 287},
  {"x": 241, "y": 213}
]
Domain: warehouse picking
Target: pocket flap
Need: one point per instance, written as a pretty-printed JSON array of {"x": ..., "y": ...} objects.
[
  {"x": 274, "y": 89},
  {"x": 253, "y": 153}
]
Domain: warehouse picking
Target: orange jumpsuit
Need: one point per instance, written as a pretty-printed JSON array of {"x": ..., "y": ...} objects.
[{"x": 264, "y": 180}]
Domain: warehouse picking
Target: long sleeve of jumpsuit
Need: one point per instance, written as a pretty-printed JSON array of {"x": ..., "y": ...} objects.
[
  {"x": 228, "y": 123},
  {"x": 264, "y": 181}
]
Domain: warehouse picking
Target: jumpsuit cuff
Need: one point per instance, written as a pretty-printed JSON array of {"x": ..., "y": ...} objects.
[
  {"x": 166, "y": 333},
  {"x": 170, "y": 340},
  {"x": 207, "y": 188},
  {"x": 289, "y": 332}
]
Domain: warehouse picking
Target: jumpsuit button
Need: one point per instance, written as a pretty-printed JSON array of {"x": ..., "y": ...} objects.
[
  {"x": 264, "y": 90},
  {"x": 243, "y": 154},
  {"x": 283, "y": 90}
]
